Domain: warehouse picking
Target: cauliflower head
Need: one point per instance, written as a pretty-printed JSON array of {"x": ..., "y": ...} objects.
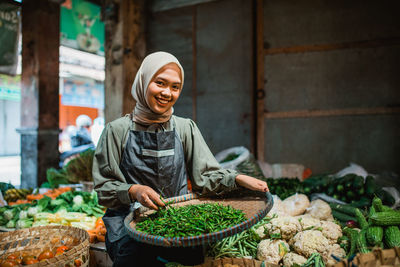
[
  {"x": 296, "y": 204},
  {"x": 307, "y": 222},
  {"x": 331, "y": 230},
  {"x": 272, "y": 251},
  {"x": 319, "y": 209},
  {"x": 260, "y": 232},
  {"x": 336, "y": 250},
  {"x": 308, "y": 242},
  {"x": 286, "y": 226},
  {"x": 292, "y": 258}
]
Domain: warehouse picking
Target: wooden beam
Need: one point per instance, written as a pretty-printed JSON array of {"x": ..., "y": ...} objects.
[
  {"x": 39, "y": 90},
  {"x": 260, "y": 93},
  {"x": 332, "y": 47},
  {"x": 194, "y": 64},
  {"x": 331, "y": 112}
]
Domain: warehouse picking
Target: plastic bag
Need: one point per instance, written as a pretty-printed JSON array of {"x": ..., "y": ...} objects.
[
  {"x": 395, "y": 194},
  {"x": 353, "y": 168},
  {"x": 319, "y": 209},
  {"x": 278, "y": 208},
  {"x": 230, "y": 158},
  {"x": 296, "y": 204}
]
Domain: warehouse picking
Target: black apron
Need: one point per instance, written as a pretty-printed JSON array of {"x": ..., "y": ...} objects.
[{"x": 155, "y": 159}]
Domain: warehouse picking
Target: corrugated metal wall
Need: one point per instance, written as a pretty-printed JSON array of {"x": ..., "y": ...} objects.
[
  {"x": 213, "y": 41},
  {"x": 341, "y": 56},
  {"x": 358, "y": 67}
]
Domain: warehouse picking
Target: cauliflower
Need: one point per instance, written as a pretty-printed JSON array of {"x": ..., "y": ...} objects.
[
  {"x": 296, "y": 204},
  {"x": 319, "y": 209},
  {"x": 272, "y": 251},
  {"x": 308, "y": 222},
  {"x": 331, "y": 230},
  {"x": 260, "y": 232},
  {"x": 78, "y": 200},
  {"x": 334, "y": 249},
  {"x": 308, "y": 242},
  {"x": 285, "y": 227},
  {"x": 292, "y": 258}
]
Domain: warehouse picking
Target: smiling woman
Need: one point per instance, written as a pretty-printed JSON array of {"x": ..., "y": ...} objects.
[{"x": 150, "y": 154}]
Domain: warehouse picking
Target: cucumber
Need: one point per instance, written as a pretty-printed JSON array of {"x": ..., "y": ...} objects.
[
  {"x": 392, "y": 236},
  {"x": 343, "y": 217},
  {"x": 348, "y": 209},
  {"x": 386, "y": 218}
]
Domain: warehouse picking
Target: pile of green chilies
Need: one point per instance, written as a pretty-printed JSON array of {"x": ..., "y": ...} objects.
[{"x": 190, "y": 220}]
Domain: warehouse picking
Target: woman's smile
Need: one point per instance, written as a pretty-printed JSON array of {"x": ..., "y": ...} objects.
[{"x": 164, "y": 89}]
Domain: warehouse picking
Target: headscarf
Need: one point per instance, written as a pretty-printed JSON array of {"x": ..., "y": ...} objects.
[{"x": 151, "y": 64}]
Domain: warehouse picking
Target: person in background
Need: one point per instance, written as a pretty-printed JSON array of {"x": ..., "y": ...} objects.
[
  {"x": 82, "y": 134},
  {"x": 97, "y": 129},
  {"x": 152, "y": 153}
]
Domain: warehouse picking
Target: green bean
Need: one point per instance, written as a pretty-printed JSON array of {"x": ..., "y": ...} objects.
[{"x": 190, "y": 220}]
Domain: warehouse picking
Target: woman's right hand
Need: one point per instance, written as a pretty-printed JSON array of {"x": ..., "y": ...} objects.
[{"x": 146, "y": 196}]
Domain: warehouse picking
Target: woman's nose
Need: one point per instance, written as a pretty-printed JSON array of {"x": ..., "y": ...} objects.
[{"x": 166, "y": 92}]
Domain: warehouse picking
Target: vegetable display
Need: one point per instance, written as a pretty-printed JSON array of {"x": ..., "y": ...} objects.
[{"x": 190, "y": 220}]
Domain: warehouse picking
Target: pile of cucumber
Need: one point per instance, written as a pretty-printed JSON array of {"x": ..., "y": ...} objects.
[{"x": 379, "y": 227}]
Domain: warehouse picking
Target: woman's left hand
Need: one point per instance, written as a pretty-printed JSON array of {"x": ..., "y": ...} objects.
[{"x": 251, "y": 183}]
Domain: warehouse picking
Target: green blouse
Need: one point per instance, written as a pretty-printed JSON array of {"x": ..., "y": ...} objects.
[{"x": 204, "y": 172}]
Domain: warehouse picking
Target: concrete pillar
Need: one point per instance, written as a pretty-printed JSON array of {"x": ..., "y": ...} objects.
[
  {"x": 125, "y": 48},
  {"x": 39, "y": 90}
]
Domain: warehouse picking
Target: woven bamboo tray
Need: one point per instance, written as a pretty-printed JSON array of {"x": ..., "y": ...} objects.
[
  {"x": 255, "y": 208},
  {"x": 235, "y": 262},
  {"x": 32, "y": 241}
]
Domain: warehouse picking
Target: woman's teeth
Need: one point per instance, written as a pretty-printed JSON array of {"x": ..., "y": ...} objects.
[{"x": 162, "y": 101}]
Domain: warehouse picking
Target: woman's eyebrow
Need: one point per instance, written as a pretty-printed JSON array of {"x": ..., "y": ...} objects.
[{"x": 165, "y": 80}]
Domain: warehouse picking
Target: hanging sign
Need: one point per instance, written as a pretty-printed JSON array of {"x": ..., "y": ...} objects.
[
  {"x": 81, "y": 27},
  {"x": 9, "y": 35}
]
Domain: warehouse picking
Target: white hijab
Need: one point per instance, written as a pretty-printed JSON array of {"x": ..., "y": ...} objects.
[{"x": 151, "y": 64}]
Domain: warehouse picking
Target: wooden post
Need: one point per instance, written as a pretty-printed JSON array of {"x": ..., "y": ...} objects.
[
  {"x": 39, "y": 90},
  {"x": 125, "y": 48},
  {"x": 260, "y": 93}
]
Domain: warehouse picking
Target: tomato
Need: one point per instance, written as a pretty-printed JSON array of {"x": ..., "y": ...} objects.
[
  {"x": 77, "y": 262},
  {"x": 61, "y": 250},
  {"x": 31, "y": 261},
  {"x": 12, "y": 257},
  {"x": 27, "y": 258},
  {"x": 9, "y": 263},
  {"x": 46, "y": 254}
]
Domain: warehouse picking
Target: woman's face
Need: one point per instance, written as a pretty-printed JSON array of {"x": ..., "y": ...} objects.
[{"x": 164, "y": 89}]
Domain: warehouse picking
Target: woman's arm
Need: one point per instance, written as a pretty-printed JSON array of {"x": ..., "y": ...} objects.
[
  {"x": 110, "y": 183},
  {"x": 204, "y": 170}
]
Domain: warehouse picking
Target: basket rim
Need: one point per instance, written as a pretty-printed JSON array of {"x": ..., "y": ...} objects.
[{"x": 199, "y": 239}]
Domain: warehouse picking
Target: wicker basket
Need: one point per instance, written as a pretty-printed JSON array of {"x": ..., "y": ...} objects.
[
  {"x": 255, "y": 208},
  {"x": 32, "y": 241}
]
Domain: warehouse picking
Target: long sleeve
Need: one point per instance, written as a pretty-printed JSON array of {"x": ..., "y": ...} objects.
[
  {"x": 203, "y": 169},
  {"x": 110, "y": 183}
]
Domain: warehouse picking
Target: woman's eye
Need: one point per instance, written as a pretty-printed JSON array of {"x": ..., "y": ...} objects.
[
  {"x": 159, "y": 83},
  {"x": 175, "y": 87}
]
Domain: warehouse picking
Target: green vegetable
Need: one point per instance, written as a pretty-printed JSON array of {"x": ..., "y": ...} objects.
[
  {"x": 352, "y": 235},
  {"x": 348, "y": 209},
  {"x": 23, "y": 223},
  {"x": 392, "y": 236},
  {"x": 361, "y": 242},
  {"x": 4, "y": 187},
  {"x": 386, "y": 218},
  {"x": 9, "y": 214},
  {"x": 370, "y": 186},
  {"x": 11, "y": 224},
  {"x": 23, "y": 215},
  {"x": 377, "y": 204},
  {"x": 361, "y": 219},
  {"x": 374, "y": 235},
  {"x": 190, "y": 220},
  {"x": 343, "y": 217}
]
